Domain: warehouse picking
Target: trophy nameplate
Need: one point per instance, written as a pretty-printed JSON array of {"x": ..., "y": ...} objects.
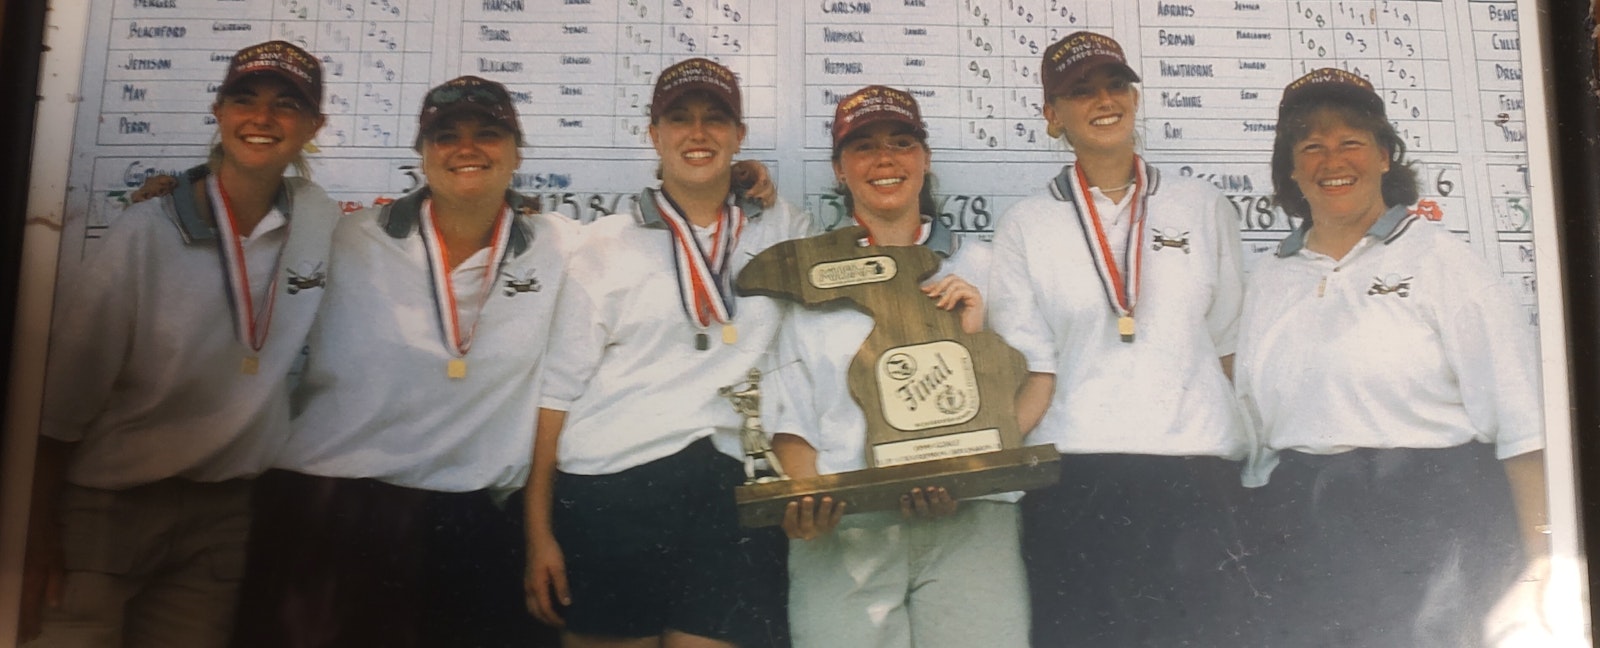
[{"x": 940, "y": 404}]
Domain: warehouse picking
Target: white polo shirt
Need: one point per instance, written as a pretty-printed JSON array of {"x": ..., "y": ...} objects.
[
  {"x": 144, "y": 368},
  {"x": 1164, "y": 393},
  {"x": 1409, "y": 341},
  {"x": 376, "y": 401},
  {"x": 625, "y": 367}
]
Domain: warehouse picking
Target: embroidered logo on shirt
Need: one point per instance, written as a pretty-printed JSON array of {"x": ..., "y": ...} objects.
[
  {"x": 316, "y": 278},
  {"x": 525, "y": 284},
  {"x": 1391, "y": 284},
  {"x": 1168, "y": 239}
]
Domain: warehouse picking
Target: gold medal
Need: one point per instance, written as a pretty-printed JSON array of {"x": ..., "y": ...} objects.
[
  {"x": 1121, "y": 280},
  {"x": 250, "y": 323},
  {"x": 730, "y": 335},
  {"x": 458, "y": 341}
]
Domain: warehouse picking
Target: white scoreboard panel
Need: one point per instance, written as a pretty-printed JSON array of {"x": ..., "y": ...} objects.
[{"x": 581, "y": 72}]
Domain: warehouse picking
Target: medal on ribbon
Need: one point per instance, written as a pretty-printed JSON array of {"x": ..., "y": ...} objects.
[
  {"x": 249, "y": 325},
  {"x": 705, "y": 277},
  {"x": 458, "y": 341},
  {"x": 1121, "y": 284}
]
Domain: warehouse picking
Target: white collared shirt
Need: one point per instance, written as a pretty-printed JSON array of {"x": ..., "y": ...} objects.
[
  {"x": 1164, "y": 393},
  {"x": 1116, "y": 219},
  {"x": 261, "y": 248},
  {"x": 626, "y": 369},
  {"x": 376, "y": 400},
  {"x": 1409, "y": 341},
  {"x": 145, "y": 369}
]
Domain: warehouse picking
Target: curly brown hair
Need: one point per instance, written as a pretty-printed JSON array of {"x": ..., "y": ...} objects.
[{"x": 1399, "y": 183}]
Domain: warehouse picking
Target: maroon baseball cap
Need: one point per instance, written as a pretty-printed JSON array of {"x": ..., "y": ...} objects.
[
  {"x": 464, "y": 94},
  {"x": 873, "y": 104},
  {"x": 694, "y": 74},
  {"x": 1333, "y": 84},
  {"x": 282, "y": 59},
  {"x": 1072, "y": 58}
]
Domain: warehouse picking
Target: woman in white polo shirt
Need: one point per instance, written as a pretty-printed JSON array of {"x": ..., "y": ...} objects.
[
  {"x": 951, "y": 575},
  {"x": 418, "y": 400},
  {"x": 1122, "y": 290},
  {"x": 632, "y": 530},
  {"x": 1392, "y": 384},
  {"x": 166, "y": 388}
]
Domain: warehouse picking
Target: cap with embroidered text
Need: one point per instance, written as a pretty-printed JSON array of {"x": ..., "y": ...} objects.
[
  {"x": 282, "y": 59},
  {"x": 873, "y": 104},
  {"x": 1072, "y": 58},
  {"x": 696, "y": 74},
  {"x": 1326, "y": 84}
]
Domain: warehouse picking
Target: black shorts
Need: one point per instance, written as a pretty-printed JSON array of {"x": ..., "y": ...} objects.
[
  {"x": 1384, "y": 547},
  {"x": 360, "y": 562},
  {"x": 1137, "y": 550},
  {"x": 659, "y": 547}
]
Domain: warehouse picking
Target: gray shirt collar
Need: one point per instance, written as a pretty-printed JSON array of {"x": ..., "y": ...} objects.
[
  {"x": 192, "y": 203},
  {"x": 404, "y": 216},
  {"x": 1389, "y": 227},
  {"x": 648, "y": 216}
]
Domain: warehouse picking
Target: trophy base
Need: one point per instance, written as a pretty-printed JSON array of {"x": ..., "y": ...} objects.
[{"x": 879, "y": 489}]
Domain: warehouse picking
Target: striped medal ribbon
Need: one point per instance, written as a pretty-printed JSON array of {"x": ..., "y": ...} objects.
[
  {"x": 1121, "y": 284},
  {"x": 457, "y": 341},
  {"x": 249, "y": 326},
  {"x": 705, "y": 278}
]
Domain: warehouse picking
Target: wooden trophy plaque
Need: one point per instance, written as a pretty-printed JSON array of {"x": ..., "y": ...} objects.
[{"x": 940, "y": 403}]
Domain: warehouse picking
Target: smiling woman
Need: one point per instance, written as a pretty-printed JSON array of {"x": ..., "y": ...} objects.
[
  {"x": 1121, "y": 288},
  {"x": 696, "y": 139},
  {"x": 261, "y": 123},
  {"x": 410, "y": 430},
  {"x": 1337, "y": 168},
  {"x": 938, "y": 572},
  {"x": 167, "y": 388},
  {"x": 1339, "y": 164},
  {"x": 632, "y": 534},
  {"x": 469, "y": 159},
  {"x": 1394, "y": 394}
]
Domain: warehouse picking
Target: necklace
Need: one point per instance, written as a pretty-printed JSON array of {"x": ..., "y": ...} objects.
[{"x": 1129, "y": 183}]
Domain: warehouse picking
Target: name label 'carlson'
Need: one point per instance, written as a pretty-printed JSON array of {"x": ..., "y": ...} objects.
[{"x": 853, "y": 272}]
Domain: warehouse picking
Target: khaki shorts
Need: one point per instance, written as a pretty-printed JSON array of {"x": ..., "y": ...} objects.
[{"x": 154, "y": 565}]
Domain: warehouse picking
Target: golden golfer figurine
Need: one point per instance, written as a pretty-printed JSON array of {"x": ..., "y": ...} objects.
[
  {"x": 747, "y": 401},
  {"x": 940, "y": 403}
]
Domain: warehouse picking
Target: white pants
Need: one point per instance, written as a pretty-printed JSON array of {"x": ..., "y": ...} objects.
[{"x": 884, "y": 582}]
